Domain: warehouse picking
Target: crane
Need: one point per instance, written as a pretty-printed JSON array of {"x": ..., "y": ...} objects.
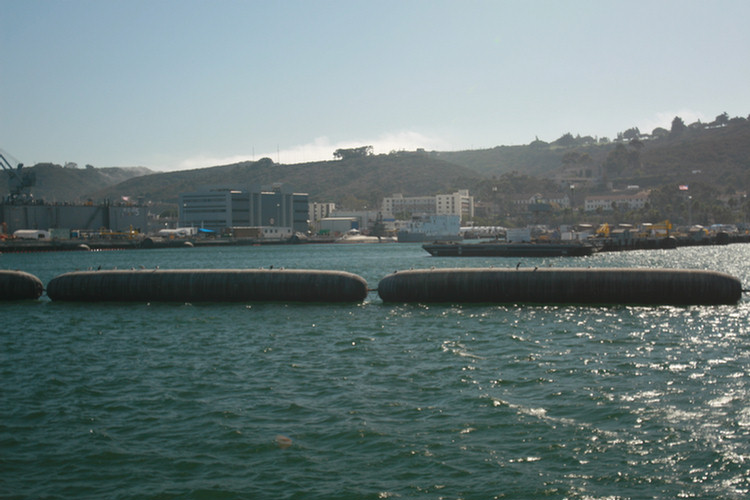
[{"x": 18, "y": 181}]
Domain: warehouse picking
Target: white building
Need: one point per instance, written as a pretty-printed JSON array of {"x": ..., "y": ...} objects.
[
  {"x": 398, "y": 204},
  {"x": 320, "y": 211},
  {"x": 615, "y": 200},
  {"x": 562, "y": 200},
  {"x": 459, "y": 203}
]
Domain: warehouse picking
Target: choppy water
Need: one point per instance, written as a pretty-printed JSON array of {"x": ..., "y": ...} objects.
[{"x": 167, "y": 401}]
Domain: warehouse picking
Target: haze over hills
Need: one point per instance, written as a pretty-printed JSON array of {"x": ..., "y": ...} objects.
[{"x": 715, "y": 155}]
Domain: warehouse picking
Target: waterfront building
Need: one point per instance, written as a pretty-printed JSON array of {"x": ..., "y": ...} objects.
[
  {"x": 221, "y": 208},
  {"x": 319, "y": 211},
  {"x": 337, "y": 226},
  {"x": 65, "y": 217},
  {"x": 365, "y": 220}
]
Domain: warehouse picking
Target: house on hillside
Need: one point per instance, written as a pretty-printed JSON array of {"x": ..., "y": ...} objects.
[
  {"x": 525, "y": 201},
  {"x": 617, "y": 200},
  {"x": 577, "y": 175}
]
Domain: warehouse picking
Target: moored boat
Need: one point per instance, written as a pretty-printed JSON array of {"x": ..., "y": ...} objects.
[
  {"x": 503, "y": 249},
  {"x": 354, "y": 236}
]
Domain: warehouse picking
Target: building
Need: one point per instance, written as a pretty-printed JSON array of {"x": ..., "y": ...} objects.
[
  {"x": 221, "y": 208},
  {"x": 617, "y": 201},
  {"x": 459, "y": 203},
  {"x": 73, "y": 217},
  {"x": 336, "y": 226},
  {"x": 319, "y": 211},
  {"x": 364, "y": 220},
  {"x": 405, "y": 207},
  {"x": 527, "y": 200}
]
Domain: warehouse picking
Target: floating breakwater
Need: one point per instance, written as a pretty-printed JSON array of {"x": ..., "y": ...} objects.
[
  {"x": 464, "y": 285},
  {"x": 208, "y": 285},
  {"x": 19, "y": 285},
  {"x": 561, "y": 286}
]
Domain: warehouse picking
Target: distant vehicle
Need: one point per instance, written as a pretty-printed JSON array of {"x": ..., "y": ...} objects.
[
  {"x": 724, "y": 228},
  {"x": 180, "y": 232},
  {"x": 31, "y": 234}
]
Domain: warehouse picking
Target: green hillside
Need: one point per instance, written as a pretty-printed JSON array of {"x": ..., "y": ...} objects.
[
  {"x": 717, "y": 156},
  {"x": 714, "y": 154},
  {"x": 538, "y": 158}
]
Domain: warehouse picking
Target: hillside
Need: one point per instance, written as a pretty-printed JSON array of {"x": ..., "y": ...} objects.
[
  {"x": 714, "y": 156},
  {"x": 355, "y": 182},
  {"x": 717, "y": 155},
  {"x": 538, "y": 158}
]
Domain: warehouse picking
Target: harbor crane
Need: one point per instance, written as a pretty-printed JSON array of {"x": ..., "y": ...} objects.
[{"x": 18, "y": 180}]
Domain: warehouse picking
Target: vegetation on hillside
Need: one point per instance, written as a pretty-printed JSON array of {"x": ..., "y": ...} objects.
[{"x": 538, "y": 158}]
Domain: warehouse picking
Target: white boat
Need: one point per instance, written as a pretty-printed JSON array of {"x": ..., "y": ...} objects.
[{"x": 354, "y": 236}]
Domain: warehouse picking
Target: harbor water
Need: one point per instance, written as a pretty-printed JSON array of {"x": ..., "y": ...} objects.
[{"x": 372, "y": 400}]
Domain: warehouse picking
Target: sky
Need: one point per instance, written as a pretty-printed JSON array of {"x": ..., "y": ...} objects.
[{"x": 182, "y": 84}]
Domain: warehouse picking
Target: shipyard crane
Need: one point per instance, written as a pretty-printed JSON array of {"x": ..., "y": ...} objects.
[{"x": 18, "y": 181}]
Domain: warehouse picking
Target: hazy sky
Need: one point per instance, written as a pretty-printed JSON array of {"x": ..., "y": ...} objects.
[{"x": 177, "y": 84}]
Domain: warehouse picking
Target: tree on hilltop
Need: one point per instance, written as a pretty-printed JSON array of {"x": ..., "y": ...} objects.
[
  {"x": 351, "y": 153},
  {"x": 722, "y": 120},
  {"x": 659, "y": 132},
  {"x": 678, "y": 126},
  {"x": 565, "y": 140},
  {"x": 631, "y": 133}
]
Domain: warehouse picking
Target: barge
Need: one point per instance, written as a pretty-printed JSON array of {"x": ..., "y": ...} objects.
[{"x": 502, "y": 249}]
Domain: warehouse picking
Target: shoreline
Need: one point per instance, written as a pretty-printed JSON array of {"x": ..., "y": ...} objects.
[
  {"x": 20, "y": 246},
  {"x": 602, "y": 245}
]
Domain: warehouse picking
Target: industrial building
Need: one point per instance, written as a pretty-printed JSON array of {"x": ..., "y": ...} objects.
[
  {"x": 221, "y": 208},
  {"x": 19, "y": 211},
  {"x": 69, "y": 217}
]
